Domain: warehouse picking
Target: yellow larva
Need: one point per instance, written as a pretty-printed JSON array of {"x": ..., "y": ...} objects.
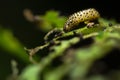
[{"x": 86, "y": 15}]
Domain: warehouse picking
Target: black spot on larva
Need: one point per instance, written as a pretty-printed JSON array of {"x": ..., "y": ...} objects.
[
  {"x": 91, "y": 11},
  {"x": 71, "y": 22},
  {"x": 92, "y": 14},
  {"x": 84, "y": 13},
  {"x": 77, "y": 14},
  {"x": 80, "y": 14},
  {"x": 81, "y": 18}
]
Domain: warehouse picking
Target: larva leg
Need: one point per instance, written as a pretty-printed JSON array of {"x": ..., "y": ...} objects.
[{"x": 89, "y": 24}]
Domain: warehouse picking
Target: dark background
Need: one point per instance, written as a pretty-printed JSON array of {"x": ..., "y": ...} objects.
[{"x": 11, "y": 17}]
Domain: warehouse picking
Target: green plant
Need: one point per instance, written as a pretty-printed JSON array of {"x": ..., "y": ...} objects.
[{"x": 73, "y": 55}]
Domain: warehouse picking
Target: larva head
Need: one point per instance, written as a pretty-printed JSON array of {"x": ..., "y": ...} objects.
[{"x": 68, "y": 25}]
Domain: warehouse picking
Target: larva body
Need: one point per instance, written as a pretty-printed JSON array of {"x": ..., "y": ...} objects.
[{"x": 79, "y": 17}]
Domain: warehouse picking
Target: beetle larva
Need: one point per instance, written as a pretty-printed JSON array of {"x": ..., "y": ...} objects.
[{"x": 86, "y": 15}]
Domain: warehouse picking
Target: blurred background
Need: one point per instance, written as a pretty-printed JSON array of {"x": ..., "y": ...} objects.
[{"x": 28, "y": 34}]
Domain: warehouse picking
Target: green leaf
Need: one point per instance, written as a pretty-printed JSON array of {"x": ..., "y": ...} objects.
[
  {"x": 10, "y": 44},
  {"x": 51, "y": 20},
  {"x": 30, "y": 73}
]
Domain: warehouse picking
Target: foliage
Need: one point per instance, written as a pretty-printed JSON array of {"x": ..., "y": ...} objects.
[
  {"x": 10, "y": 44},
  {"x": 51, "y": 20},
  {"x": 76, "y": 55}
]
